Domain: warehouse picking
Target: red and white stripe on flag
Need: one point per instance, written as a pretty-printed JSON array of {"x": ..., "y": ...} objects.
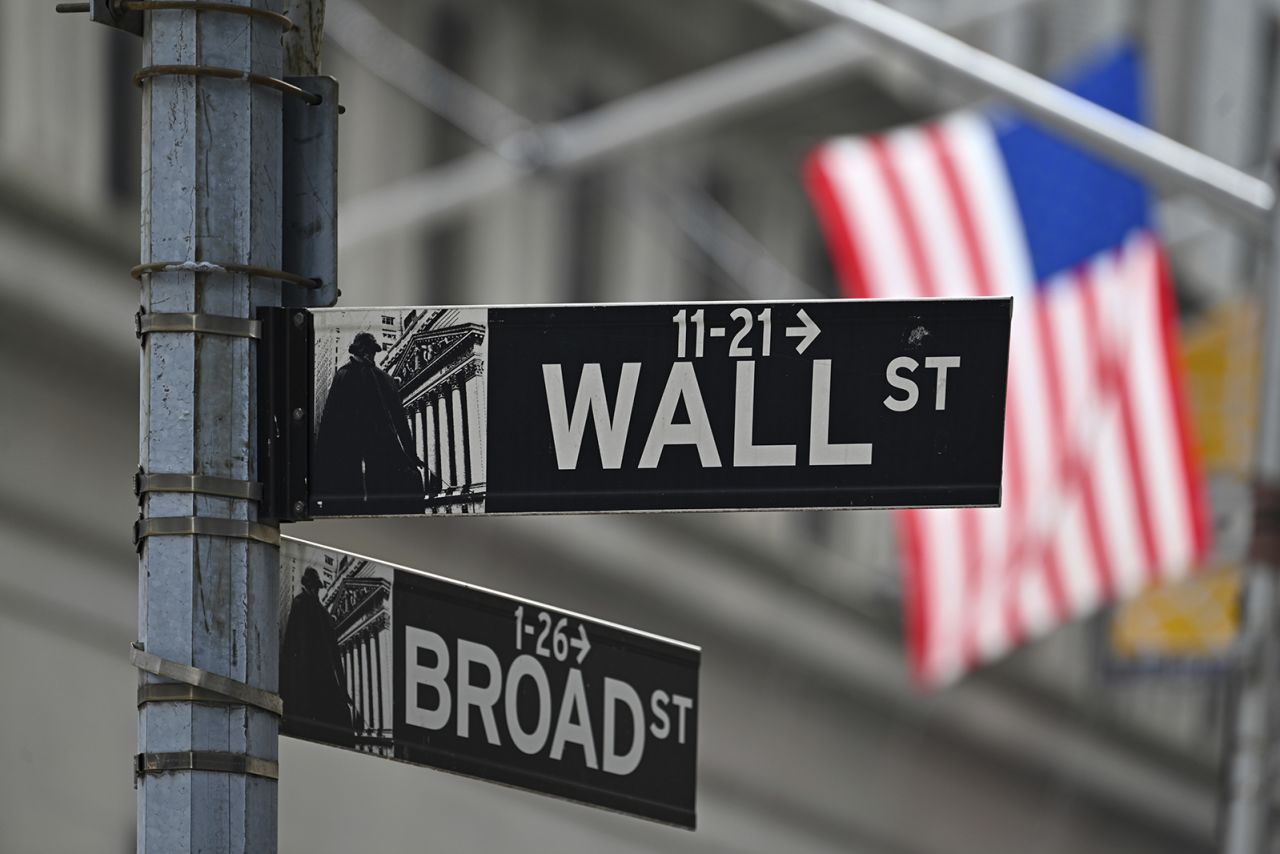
[{"x": 1101, "y": 493}]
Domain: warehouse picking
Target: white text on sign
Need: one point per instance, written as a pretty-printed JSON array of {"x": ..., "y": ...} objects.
[
  {"x": 562, "y": 717},
  {"x": 744, "y": 340},
  {"x": 591, "y": 399}
]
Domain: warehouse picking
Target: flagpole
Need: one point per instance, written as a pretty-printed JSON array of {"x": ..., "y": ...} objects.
[{"x": 1162, "y": 161}]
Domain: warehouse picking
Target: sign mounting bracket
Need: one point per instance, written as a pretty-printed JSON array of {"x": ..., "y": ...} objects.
[{"x": 284, "y": 412}]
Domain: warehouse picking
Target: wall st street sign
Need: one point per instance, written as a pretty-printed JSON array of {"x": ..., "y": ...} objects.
[
  {"x": 409, "y": 666},
  {"x": 644, "y": 407}
]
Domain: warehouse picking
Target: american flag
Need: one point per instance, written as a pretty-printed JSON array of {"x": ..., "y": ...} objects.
[{"x": 1102, "y": 494}]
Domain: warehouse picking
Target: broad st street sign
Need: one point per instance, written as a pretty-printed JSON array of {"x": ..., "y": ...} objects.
[
  {"x": 642, "y": 407},
  {"x": 398, "y": 663}
]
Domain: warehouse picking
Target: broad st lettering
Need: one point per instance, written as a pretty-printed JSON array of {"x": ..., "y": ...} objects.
[{"x": 463, "y": 687}]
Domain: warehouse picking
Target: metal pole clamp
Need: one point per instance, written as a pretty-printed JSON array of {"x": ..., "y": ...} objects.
[
  {"x": 209, "y": 687},
  {"x": 187, "y": 321},
  {"x": 206, "y": 760},
  {"x": 209, "y": 526},
  {"x": 202, "y": 484}
]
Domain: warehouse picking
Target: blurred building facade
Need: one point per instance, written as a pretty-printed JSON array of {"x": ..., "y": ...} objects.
[{"x": 812, "y": 737}]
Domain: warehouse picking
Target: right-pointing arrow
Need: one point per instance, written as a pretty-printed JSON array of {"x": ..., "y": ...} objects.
[
  {"x": 808, "y": 332},
  {"x": 581, "y": 643}
]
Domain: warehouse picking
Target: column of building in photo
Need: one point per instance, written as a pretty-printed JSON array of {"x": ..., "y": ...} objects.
[
  {"x": 438, "y": 363},
  {"x": 359, "y": 602}
]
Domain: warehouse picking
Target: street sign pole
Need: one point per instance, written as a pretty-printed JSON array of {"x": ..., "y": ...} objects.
[{"x": 211, "y": 187}]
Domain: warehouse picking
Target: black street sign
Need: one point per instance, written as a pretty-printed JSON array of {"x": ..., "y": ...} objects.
[
  {"x": 641, "y": 407},
  {"x": 409, "y": 666}
]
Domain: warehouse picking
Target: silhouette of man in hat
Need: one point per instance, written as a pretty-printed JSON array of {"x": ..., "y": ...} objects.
[
  {"x": 313, "y": 682},
  {"x": 365, "y": 461}
]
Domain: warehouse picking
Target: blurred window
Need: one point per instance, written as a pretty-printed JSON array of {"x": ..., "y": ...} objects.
[
  {"x": 712, "y": 282},
  {"x": 818, "y": 526},
  {"x": 449, "y": 42},
  {"x": 1269, "y": 128},
  {"x": 818, "y": 270},
  {"x": 584, "y": 225}
]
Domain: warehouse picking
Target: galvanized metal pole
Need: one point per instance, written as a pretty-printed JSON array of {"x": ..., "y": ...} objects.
[
  {"x": 1251, "y": 775},
  {"x": 210, "y": 196}
]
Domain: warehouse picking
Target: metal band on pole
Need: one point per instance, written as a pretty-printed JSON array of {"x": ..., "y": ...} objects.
[
  {"x": 146, "y": 73},
  {"x": 206, "y": 760},
  {"x": 188, "y": 321},
  {"x": 223, "y": 267},
  {"x": 203, "y": 6},
  {"x": 176, "y": 692},
  {"x": 1156, "y": 157},
  {"x": 200, "y": 484},
  {"x": 114, "y": 13},
  {"x": 210, "y": 526},
  {"x": 220, "y": 686}
]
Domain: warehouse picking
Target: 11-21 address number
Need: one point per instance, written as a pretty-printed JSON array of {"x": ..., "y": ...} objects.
[{"x": 698, "y": 321}]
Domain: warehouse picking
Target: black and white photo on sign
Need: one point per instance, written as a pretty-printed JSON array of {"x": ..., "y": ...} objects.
[
  {"x": 335, "y": 648},
  {"x": 399, "y": 411}
]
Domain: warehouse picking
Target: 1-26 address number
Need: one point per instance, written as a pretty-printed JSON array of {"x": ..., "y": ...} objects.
[{"x": 542, "y": 626}]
